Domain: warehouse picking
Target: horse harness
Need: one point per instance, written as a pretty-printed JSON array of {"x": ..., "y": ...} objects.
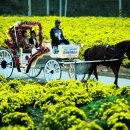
[{"x": 116, "y": 53}]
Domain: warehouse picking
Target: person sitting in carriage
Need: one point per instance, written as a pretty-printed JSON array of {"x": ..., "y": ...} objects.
[
  {"x": 30, "y": 44},
  {"x": 26, "y": 44},
  {"x": 57, "y": 36},
  {"x": 33, "y": 40}
]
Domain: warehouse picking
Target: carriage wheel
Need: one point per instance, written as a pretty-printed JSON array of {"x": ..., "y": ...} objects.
[
  {"x": 80, "y": 77},
  {"x": 52, "y": 70},
  {"x": 6, "y": 63},
  {"x": 34, "y": 72}
]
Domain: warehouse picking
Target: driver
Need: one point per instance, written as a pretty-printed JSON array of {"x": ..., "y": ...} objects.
[{"x": 57, "y": 35}]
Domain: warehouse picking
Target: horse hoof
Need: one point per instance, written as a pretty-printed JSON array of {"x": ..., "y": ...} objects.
[{"x": 117, "y": 86}]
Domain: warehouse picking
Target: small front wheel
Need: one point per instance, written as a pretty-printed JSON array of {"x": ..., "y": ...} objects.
[
  {"x": 6, "y": 63},
  {"x": 52, "y": 70}
]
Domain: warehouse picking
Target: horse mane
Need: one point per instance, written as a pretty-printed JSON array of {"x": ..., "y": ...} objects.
[
  {"x": 120, "y": 44},
  {"x": 123, "y": 44}
]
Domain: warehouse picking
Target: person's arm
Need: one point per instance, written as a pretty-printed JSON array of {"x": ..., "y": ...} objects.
[
  {"x": 31, "y": 44},
  {"x": 52, "y": 34},
  {"x": 30, "y": 41},
  {"x": 24, "y": 45},
  {"x": 36, "y": 43},
  {"x": 62, "y": 36},
  {"x": 53, "y": 37}
]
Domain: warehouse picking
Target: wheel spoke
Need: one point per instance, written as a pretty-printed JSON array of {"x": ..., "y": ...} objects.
[{"x": 34, "y": 72}]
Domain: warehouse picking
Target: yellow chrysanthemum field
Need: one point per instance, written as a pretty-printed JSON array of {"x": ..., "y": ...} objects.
[
  {"x": 80, "y": 30},
  {"x": 62, "y": 105}
]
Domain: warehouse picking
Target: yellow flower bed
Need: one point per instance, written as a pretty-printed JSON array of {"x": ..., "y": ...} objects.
[
  {"x": 83, "y": 30},
  {"x": 61, "y": 102}
]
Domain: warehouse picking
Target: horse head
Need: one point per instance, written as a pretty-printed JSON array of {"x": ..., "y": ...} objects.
[{"x": 121, "y": 48}]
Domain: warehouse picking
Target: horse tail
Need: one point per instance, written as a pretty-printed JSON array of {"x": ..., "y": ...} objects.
[{"x": 86, "y": 54}]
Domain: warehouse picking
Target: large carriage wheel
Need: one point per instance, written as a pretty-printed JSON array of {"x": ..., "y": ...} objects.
[
  {"x": 52, "y": 70},
  {"x": 34, "y": 72},
  {"x": 6, "y": 63},
  {"x": 80, "y": 77}
]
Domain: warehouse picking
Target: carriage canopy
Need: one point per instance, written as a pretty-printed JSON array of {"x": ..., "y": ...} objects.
[{"x": 24, "y": 25}]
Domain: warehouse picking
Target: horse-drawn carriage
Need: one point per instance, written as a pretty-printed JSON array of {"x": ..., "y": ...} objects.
[
  {"x": 45, "y": 58},
  {"x": 14, "y": 56}
]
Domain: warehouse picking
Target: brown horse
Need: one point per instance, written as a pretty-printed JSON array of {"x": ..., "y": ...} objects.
[{"x": 106, "y": 53}]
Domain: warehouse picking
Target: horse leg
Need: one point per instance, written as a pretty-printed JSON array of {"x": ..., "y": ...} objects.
[
  {"x": 90, "y": 72},
  {"x": 115, "y": 71},
  {"x": 95, "y": 72}
]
